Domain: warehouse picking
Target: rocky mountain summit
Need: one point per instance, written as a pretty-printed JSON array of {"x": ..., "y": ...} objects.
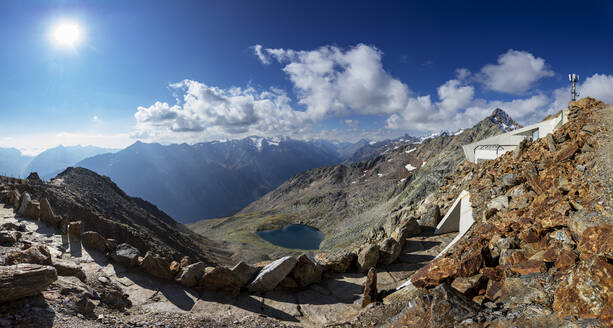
[{"x": 540, "y": 251}]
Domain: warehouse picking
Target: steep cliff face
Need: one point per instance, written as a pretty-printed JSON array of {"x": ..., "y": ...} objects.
[
  {"x": 540, "y": 251},
  {"x": 353, "y": 203}
]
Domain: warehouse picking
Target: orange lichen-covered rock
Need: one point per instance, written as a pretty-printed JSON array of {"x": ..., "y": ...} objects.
[
  {"x": 587, "y": 293},
  {"x": 597, "y": 241},
  {"x": 435, "y": 272}
]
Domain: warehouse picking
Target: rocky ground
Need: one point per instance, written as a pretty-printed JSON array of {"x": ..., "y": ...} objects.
[
  {"x": 114, "y": 295},
  {"x": 540, "y": 253}
]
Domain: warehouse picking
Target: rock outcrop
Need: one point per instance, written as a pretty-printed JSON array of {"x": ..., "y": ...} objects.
[
  {"x": 271, "y": 275},
  {"x": 21, "y": 280}
]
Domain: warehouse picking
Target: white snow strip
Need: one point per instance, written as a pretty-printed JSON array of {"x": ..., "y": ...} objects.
[
  {"x": 410, "y": 150},
  {"x": 422, "y": 164},
  {"x": 379, "y": 174},
  {"x": 403, "y": 179},
  {"x": 409, "y": 167}
]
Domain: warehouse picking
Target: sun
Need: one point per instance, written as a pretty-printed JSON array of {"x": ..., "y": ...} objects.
[{"x": 67, "y": 34}]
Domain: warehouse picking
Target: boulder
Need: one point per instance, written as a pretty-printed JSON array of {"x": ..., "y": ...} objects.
[
  {"x": 406, "y": 228},
  {"x": 190, "y": 275},
  {"x": 271, "y": 275},
  {"x": 470, "y": 286},
  {"x": 449, "y": 307},
  {"x": 368, "y": 258},
  {"x": 524, "y": 290},
  {"x": 528, "y": 267},
  {"x": 111, "y": 244},
  {"x": 29, "y": 208},
  {"x": 125, "y": 254},
  {"x": 156, "y": 266},
  {"x": 22, "y": 280},
  {"x": 220, "y": 279},
  {"x": 432, "y": 218},
  {"x": 35, "y": 254},
  {"x": 73, "y": 286},
  {"x": 15, "y": 198},
  {"x": 499, "y": 203},
  {"x": 67, "y": 268},
  {"x": 370, "y": 288},
  {"x": 8, "y": 238},
  {"x": 587, "y": 292},
  {"x": 244, "y": 272},
  {"x": 597, "y": 241},
  {"x": 306, "y": 272},
  {"x": 510, "y": 180},
  {"x": 94, "y": 240},
  {"x": 74, "y": 229},
  {"x": 46, "y": 213},
  {"x": 389, "y": 251},
  {"x": 338, "y": 262},
  {"x": 434, "y": 273}
]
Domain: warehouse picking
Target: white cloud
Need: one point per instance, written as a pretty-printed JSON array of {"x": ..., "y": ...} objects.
[
  {"x": 95, "y": 118},
  {"x": 205, "y": 110},
  {"x": 515, "y": 72},
  {"x": 352, "y": 123},
  {"x": 257, "y": 49},
  {"x": 331, "y": 81}
]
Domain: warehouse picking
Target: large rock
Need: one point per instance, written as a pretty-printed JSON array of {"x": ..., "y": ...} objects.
[
  {"x": 94, "y": 240},
  {"x": 67, "y": 268},
  {"x": 368, "y": 258},
  {"x": 8, "y": 238},
  {"x": 190, "y": 275},
  {"x": 597, "y": 241},
  {"x": 156, "y": 266},
  {"x": 338, "y": 262},
  {"x": 272, "y": 274},
  {"x": 35, "y": 254},
  {"x": 46, "y": 213},
  {"x": 29, "y": 208},
  {"x": 389, "y": 251},
  {"x": 406, "y": 228},
  {"x": 499, "y": 203},
  {"x": 220, "y": 279},
  {"x": 432, "y": 218},
  {"x": 125, "y": 254},
  {"x": 586, "y": 293},
  {"x": 449, "y": 306},
  {"x": 244, "y": 272},
  {"x": 15, "y": 198},
  {"x": 21, "y": 280},
  {"x": 370, "y": 288},
  {"x": 74, "y": 229},
  {"x": 434, "y": 273},
  {"x": 306, "y": 272}
]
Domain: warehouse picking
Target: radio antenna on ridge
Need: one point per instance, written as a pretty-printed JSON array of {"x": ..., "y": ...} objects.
[{"x": 573, "y": 78}]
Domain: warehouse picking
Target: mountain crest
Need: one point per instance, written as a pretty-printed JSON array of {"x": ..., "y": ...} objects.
[{"x": 504, "y": 120}]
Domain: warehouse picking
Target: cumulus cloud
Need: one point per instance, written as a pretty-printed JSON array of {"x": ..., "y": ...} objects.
[
  {"x": 515, "y": 72},
  {"x": 352, "y": 123},
  {"x": 205, "y": 109},
  {"x": 334, "y": 82},
  {"x": 458, "y": 108}
]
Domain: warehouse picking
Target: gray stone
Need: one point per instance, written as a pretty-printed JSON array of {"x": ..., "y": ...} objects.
[
  {"x": 368, "y": 258},
  {"x": 190, "y": 275},
  {"x": 389, "y": 251},
  {"x": 67, "y": 268},
  {"x": 46, "y": 213},
  {"x": 94, "y": 240},
  {"x": 21, "y": 280},
  {"x": 306, "y": 272},
  {"x": 244, "y": 272},
  {"x": 156, "y": 266},
  {"x": 432, "y": 218},
  {"x": 510, "y": 180},
  {"x": 8, "y": 238},
  {"x": 272, "y": 274},
  {"x": 499, "y": 203},
  {"x": 125, "y": 254}
]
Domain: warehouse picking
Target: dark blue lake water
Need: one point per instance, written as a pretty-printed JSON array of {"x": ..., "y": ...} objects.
[{"x": 298, "y": 236}]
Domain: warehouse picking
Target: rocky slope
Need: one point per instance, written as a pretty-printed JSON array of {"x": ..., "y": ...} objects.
[
  {"x": 350, "y": 204},
  {"x": 212, "y": 179},
  {"x": 97, "y": 204},
  {"x": 540, "y": 252}
]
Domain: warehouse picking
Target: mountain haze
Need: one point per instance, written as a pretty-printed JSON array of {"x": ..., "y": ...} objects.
[{"x": 212, "y": 179}]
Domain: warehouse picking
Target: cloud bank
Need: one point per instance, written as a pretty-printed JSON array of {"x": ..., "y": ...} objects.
[{"x": 336, "y": 83}]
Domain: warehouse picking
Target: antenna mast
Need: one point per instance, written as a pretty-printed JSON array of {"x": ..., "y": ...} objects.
[{"x": 573, "y": 78}]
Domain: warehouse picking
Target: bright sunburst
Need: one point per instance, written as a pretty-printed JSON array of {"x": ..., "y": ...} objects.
[{"x": 67, "y": 34}]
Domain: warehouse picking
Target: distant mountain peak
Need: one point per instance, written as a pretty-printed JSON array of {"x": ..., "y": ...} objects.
[{"x": 504, "y": 121}]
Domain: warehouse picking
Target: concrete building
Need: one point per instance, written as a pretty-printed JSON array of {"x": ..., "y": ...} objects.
[
  {"x": 459, "y": 218},
  {"x": 495, "y": 146}
]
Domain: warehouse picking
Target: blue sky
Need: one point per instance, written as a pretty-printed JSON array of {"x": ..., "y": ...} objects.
[{"x": 179, "y": 71}]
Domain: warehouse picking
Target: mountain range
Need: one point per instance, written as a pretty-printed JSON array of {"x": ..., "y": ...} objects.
[{"x": 212, "y": 179}]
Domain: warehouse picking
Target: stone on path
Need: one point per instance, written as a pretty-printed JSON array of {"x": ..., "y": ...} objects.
[
  {"x": 21, "y": 280},
  {"x": 272, "y": 274}
]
